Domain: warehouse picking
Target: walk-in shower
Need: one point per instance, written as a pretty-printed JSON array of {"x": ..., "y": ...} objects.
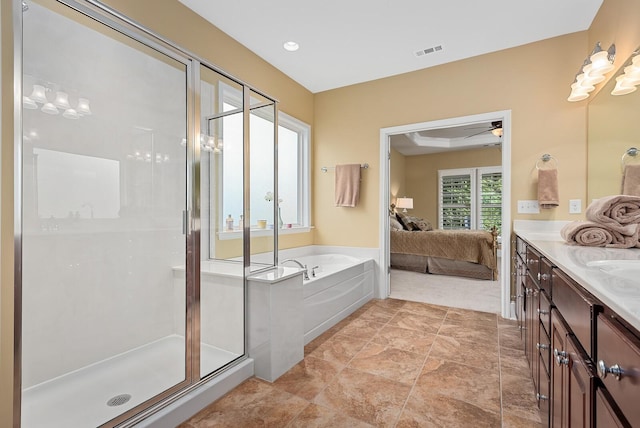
[{"x": 133, "y": 155}]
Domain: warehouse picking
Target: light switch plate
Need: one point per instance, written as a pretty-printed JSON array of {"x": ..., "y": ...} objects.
[
  {"x": 528, "y": 207},
  {"x": 575, "y": 206}
]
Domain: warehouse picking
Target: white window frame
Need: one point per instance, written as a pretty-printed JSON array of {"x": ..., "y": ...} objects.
[
  {"x": 230, "y": 95},
  {"x": 474, "y": 174}
]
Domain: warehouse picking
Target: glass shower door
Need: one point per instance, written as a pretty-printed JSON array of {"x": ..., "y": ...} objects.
[{"x": 104, "y": 178}]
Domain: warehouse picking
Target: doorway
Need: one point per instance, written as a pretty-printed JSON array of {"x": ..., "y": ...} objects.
[{"x": 386, "y": 135}]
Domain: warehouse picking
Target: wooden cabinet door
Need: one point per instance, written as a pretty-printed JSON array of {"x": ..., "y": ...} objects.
[
  {"x": 606, "y": 416},
  {"x": 581, "y": 385},
  {"x": 559, "y": 379}
]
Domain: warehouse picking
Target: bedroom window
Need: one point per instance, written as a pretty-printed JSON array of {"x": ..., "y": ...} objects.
[{"x": 470, "y": 198}]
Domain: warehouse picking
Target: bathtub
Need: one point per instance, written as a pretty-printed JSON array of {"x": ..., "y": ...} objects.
[{"x": 341, "y": 285}]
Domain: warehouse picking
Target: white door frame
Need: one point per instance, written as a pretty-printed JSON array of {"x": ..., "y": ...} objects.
[{"x": 385, "y": 134}]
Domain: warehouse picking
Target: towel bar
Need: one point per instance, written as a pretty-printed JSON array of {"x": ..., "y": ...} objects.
[
  {"x": 546, "y": 158},
  {"x": 631, "y": 152},
  {"x": 327, "y": 168}
]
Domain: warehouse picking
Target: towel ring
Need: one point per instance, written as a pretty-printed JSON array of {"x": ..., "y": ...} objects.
[
  {"x": 546, "y": 158},
  {"x": 631, "y": 152}
]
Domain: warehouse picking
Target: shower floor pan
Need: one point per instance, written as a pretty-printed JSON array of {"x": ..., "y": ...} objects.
[{"x": 95, "y": 394}]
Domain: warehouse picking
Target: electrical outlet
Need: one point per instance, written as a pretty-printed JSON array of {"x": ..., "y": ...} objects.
[
  {"x": 575, "y": 206},
  {"x": 528, "y": 207}
]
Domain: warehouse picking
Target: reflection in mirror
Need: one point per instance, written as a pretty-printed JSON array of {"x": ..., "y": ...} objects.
[{"x": 612, "y": 130}]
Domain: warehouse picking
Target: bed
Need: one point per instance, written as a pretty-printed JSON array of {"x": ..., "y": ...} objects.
[{"x": 466, "y": 253}]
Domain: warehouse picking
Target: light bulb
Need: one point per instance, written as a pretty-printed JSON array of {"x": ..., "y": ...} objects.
[
  {"x": 39, "y": 94},
  {"x": 62, "y": 100},
  {"x": 623, "y": 87},
  {"x": 29, "y": 104},
  {"x": 600, "y": 62},
  {"x": 70, "y": 114},
  {"x": 49, "y": 108},
  {"x": 83, "y": 107}
]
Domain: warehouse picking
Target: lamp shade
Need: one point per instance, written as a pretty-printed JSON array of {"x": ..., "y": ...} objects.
[{"x": 404, "y": 203}]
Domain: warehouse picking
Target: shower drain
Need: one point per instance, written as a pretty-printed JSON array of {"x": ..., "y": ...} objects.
[{"x": 118, "y": 400}]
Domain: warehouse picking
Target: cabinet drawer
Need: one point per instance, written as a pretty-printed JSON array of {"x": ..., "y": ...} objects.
[
  {"x": 545, "y": 313},
  {"x": 546, "y": 270},
  {"x": 533, "y": 263},
  {"x": 618, "y": 349},
  {"x": 544, "y": 397},
  {"x": 577, "y": 309},
  {"x": 544, "y": 347},
  {"x": 521, "y": 247}
]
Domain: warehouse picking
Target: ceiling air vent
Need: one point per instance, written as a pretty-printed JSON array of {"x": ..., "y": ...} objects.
[{"x": 422, "y": 52}]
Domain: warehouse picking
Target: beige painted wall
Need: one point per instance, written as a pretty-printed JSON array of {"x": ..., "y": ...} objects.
[
  {"x": 532, "y": 81},
  {"x": 422, "y": 176},
  {"x": 397, "y": 182}
]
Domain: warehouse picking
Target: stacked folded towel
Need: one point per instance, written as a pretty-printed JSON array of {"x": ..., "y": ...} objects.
[{"x": 612, "y": 221}]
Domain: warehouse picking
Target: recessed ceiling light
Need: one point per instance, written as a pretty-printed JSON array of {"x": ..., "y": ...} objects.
[{"x": 291, "y": 46}]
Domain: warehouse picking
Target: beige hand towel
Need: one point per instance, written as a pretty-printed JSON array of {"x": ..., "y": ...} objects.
[
  {"x": 347, "y": 190},
  {"x": 631, "y": 180},
  {"x": 590, "y": 234},
  {"x": 548, "y": 188},
  {"x": 618, "y": 212}
]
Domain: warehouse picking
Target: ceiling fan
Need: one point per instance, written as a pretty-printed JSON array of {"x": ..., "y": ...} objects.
[{"x": 496, "y": 129}]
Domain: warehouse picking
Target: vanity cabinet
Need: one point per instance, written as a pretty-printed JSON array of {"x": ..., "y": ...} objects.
[
  {"x": 618, "y": 364},
  {"x": 573, "y": 378},
  {"x": 584, "y": 359}
]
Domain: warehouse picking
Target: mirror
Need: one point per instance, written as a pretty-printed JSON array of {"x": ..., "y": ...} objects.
[{"x": 612, "y": 130}]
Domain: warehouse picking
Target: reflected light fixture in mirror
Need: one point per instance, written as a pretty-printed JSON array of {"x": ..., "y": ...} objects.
[
  {"x": 404, "y": 203},
  {"x": 592, "y": 72},
  {"x": 61, "y": 101},
  {"x": 611, "y": 131},
  {"x": 629, "y": 80}
]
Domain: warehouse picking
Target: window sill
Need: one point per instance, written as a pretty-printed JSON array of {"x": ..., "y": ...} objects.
[{"x": 255, "y": 232}]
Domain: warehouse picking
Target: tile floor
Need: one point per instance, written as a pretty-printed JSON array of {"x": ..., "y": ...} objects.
[{"x": 394, "y": 363}]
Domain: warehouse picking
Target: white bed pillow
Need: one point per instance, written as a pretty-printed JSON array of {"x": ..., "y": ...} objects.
[{"x": 395, "y": 224}]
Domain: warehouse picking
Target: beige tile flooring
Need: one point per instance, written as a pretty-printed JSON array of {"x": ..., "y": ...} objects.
[{"x": 394, "y": 363}]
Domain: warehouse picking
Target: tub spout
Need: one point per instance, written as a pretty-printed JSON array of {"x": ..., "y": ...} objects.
[{"x": 305, "y": 274}]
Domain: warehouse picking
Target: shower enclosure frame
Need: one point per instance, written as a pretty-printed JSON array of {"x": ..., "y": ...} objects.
[{"x": 115, "y": 20}]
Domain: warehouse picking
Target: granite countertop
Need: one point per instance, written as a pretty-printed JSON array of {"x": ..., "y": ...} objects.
[{"x": 621, "y": 294}]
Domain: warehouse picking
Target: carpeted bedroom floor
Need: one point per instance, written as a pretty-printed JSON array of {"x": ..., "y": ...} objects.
[{"x": 455, "y": 292}]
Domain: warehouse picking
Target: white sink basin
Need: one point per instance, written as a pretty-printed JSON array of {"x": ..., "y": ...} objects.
[{"x": 626, "y": 269}]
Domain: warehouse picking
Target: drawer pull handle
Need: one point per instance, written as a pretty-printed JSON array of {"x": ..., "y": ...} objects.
[
  {"x": 532, "y": 261},
  {"x": 542, "y": 312},
  {"x": 538, "y": 276},
  {"x": 561, "y": 357},
  {"x": 603, "y": 370},
  {"x": 541, "y": 397},
  {"x": 542, "y": 346},
  {"x": 545, "y": 276}
]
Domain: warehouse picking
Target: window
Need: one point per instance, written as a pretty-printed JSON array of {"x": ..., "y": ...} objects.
[
  {"x": 293, "y": 165},
  {"x": 470, "y": 198}
]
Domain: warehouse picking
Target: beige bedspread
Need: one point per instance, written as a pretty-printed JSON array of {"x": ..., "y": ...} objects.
[{"x": 468, "y": 245}]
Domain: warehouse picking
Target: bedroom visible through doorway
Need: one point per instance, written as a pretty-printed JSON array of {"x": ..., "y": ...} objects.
[{"x": 419, "y": 156}]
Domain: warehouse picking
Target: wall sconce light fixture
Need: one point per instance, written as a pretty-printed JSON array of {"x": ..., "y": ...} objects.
[
  {"x": 592, "y": 72},
  {"x": 629, "y": 80}
]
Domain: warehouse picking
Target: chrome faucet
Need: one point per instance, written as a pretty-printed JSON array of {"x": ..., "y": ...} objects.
[{"x": 305, "y": 274}]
